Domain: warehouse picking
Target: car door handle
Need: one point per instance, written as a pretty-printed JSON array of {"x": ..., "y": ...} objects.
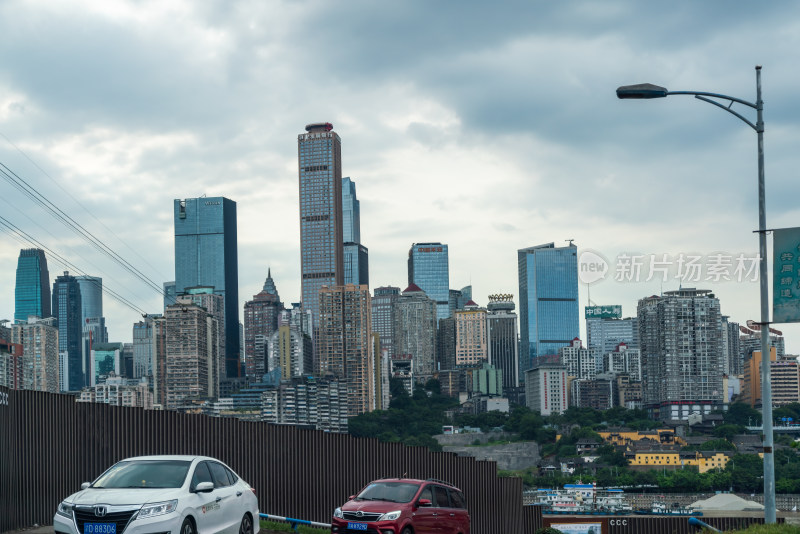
[
  {"x": 435, "y": 514},
  {"x": 238, "y": 493},
  {"x": 219, "y": 499},
  {"x": 452, "y": 515}
]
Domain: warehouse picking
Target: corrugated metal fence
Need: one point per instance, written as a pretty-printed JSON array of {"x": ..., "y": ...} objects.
[{"x": 50, "y": 444}]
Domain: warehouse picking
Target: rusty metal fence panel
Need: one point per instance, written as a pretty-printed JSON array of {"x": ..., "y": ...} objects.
[{"x": 50, "y": 444}]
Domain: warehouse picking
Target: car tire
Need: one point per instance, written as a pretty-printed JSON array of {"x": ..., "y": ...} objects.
[
  {"x": 407, "y": 530},
  {"x": 246, "y": 526},
  {"x": 188, "y": 527}
]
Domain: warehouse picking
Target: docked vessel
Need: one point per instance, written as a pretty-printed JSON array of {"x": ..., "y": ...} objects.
[
  {"x": 582, "y": 499},
  {"x": 661, "y": 508}
]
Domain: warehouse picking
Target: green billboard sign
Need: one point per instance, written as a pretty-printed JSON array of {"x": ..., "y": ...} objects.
[{"x": 604, "y": 312}]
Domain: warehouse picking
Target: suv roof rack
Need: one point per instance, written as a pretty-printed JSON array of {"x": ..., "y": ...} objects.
[{"x": 440, "y": 481}]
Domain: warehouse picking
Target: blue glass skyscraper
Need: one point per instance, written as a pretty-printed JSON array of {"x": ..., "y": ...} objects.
[
  {"x": 429, "y": 268},
  {"x": 206, "y": 255},
  {"x": 548, "y": 294},
  {"x": 356, "y": 255},
  {"x": 67, "y": 310},
  {"x": 32, "y": 291}
]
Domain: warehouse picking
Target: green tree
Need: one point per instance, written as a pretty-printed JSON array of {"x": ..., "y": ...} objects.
[
  {"x": 746, "y": 471},
  {"x": 740, "y": 413},
  {"x": 728, "y": 431},
  {"x": 717, "y": 445}
]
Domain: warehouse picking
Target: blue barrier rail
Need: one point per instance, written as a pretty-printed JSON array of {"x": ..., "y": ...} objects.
[
  {"x": 294, "y": 522},
  {"x": 693, "y": 521}
]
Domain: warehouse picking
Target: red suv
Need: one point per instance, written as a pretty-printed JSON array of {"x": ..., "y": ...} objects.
[{"x": 404, "y": 506}]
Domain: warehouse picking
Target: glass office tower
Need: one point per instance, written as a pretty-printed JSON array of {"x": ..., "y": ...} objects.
[
  {"x": 206, "y": 255},
  {"x": 548, "y": 295},
  {"x": 319, "y": 153},
  {"x": 67, "y": 310},
  {"x": 429, "y": 268},
  {"x": 356, "y": 256},
  {"x": 32, "y": 291}
]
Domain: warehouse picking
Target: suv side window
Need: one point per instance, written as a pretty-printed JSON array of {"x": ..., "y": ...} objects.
[
  {"x": 457, "y": 498},
  {"x": 426, "y": 493},
  {"x": 442, "y": 501},
  {"x": 201, "y": 474},
  {"x": 220, "y": 475}
]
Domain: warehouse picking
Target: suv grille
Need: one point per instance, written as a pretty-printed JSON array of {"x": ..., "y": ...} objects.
[
  {"x": 365, "y": 516},
  {"x": 85, "y": 514}
]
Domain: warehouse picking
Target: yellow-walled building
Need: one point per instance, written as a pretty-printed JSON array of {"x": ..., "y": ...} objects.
[{"x": 703, "y": 460}]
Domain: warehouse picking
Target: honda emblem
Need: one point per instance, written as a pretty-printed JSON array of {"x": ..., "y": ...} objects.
[{"x": 100, "y": 511}]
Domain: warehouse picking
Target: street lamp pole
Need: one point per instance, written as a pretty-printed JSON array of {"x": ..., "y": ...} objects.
[{"x": 647, "y": 91}]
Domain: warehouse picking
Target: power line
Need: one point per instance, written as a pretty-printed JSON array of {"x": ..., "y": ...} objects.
[{"x": 29, "y": 191}]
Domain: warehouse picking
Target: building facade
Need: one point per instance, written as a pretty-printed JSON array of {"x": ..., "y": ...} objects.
[
  {"x": 429, "y": 269},
  {"x": 415, "y": 330},
  {"x": 580, "y": 362},
  {"x": 32, "y": 289},
  {"x": 319, "y": 153},
  {"x": 260, "y": 323},
  {"x": 472, "y": 344},
  {"x": 318, "y": 403},
  {"x": 356, "y": 255},
  {"x": 67, "y": 311},
  {"x": 40, "y": 354},
  {"x": 682, "y": 349},
  {"x": 546, "y": 388},
  {"x": 206, "y": 255},
  {"x": 605, "y": 329},
  {"x": 501, "y": 323},
  {"x": 344, "y": 344},
  {"x": 383, "y": 301},
  {"x": 548, "y": 306}
]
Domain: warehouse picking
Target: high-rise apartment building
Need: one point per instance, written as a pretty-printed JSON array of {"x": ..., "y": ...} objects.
[
  {"x": 32, "y": 290},
  {"x": 383, "y": 301},
  {"x": 260, "y": 323},
  {"x": 415, "y": 330},
  {"x": 580, "y": 362},
  {"x": 624, "y": 360},
  {"x": 750, "y": 341},
  {"x": 145, "y": 348},
  {"x": 503, "y": 352},
  {"x": 472, "y": 347},
  {"x": 751, "y": 383},
  {"x": 321, "y": 403},
  {"x": 206, "y": 255},
  {"x": 429, "y": 269},
  {"x": 733, "y": 348},
  {"x": 548, "y": 300},
  {"x": 67, "y": 311},
  {"x": 344, "y": 344},
  {"x": 289, "y": 350},
  {"x": 446, "y": 344},
  {"x": 192, "y": 358},
  {"x": 681, "y": 346},
  {"x": 319, "y": 153},
  {"x": 40, "y": 361},
  {"x": 546, "y": 387},
  {"x": 356, "y": 255}
]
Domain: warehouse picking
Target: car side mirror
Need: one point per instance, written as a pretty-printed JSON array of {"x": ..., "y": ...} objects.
[
  {"x": 423, "y": 502},
  {"x": 204, "y": 487},
  {"x": 85, "y": 485},
  {"x": 351, "y": 497}
]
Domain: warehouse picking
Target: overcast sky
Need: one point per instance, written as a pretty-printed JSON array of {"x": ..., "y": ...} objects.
[{"x": 487, "y": 126}]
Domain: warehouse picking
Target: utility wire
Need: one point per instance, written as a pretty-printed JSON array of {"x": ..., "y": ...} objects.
[
  {"x": 29, "y": 191},
  {"x": 23, "y": 237},
  {"x": 66, "y": 192}
]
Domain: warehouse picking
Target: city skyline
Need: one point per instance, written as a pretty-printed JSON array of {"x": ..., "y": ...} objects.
[{"x": 461, "y": 155}]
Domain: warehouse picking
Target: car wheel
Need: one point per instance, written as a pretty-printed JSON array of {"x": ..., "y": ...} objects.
[
  {"x": 246, "y": 527},
  {"x": 188, "y": 527},
  {"x": 407, "y": 530}
]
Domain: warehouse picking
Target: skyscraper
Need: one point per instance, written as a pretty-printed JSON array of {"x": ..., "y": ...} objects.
[
  {"x": 32, "y": 292},
  {"x": 680, "y": 341},
  {"x": 383, "y": 301},
  {"x": 503, "y": 346},
  {"x": 472, "y": 349},
  {"x": 429, "y": 268},
  {"x": 344, "y": 343},
  {"x": 319, "y": 153},
  {"x": 93, "y": 324},
  {"x": 67, "y": 311},
  {"x": 206, "y": 255},
  {"x": 606, "y": 329},
  {"x": 548, "y": 300},
  {"x": 415, "y": 330},
  {"x": 356, "y": 255},
  {"x": 39, "y": 341},
  {"x": 260, "y": 323}
]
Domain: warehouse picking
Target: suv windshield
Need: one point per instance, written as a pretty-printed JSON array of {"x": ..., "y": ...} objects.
[
  {"x": 144, "y": 474},
  {"x": 389, "y": 491}
]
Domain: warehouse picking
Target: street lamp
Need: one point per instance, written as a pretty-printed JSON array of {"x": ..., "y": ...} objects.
[{"x": 647, "y": 91}]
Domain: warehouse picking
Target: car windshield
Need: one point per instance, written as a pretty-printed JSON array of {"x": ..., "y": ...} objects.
[
  {"x": 144, "y": 474},
  {"x": 389, "y": 491}
]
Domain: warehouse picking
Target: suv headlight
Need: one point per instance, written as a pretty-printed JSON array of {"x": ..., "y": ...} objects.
[
  {"x": 65, "y": 509},
  {"x": 390, "y": 516},
  {"x": 158, "y": 508},
  {"x": 338, "y": 513}
]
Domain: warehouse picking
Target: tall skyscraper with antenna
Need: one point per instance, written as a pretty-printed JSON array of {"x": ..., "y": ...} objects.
[{"x": 319, "y": 153}]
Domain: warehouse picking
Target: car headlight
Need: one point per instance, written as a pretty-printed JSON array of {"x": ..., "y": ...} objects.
[
  {"x": 338, "y": 513},
  {"x": 159, "y": 508},
  {"x": 390, "y": 516},
  {"x": 65, "y": 509}
]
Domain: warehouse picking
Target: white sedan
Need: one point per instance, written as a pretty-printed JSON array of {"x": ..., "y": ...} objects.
[{"x": 161, "y": 495}]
